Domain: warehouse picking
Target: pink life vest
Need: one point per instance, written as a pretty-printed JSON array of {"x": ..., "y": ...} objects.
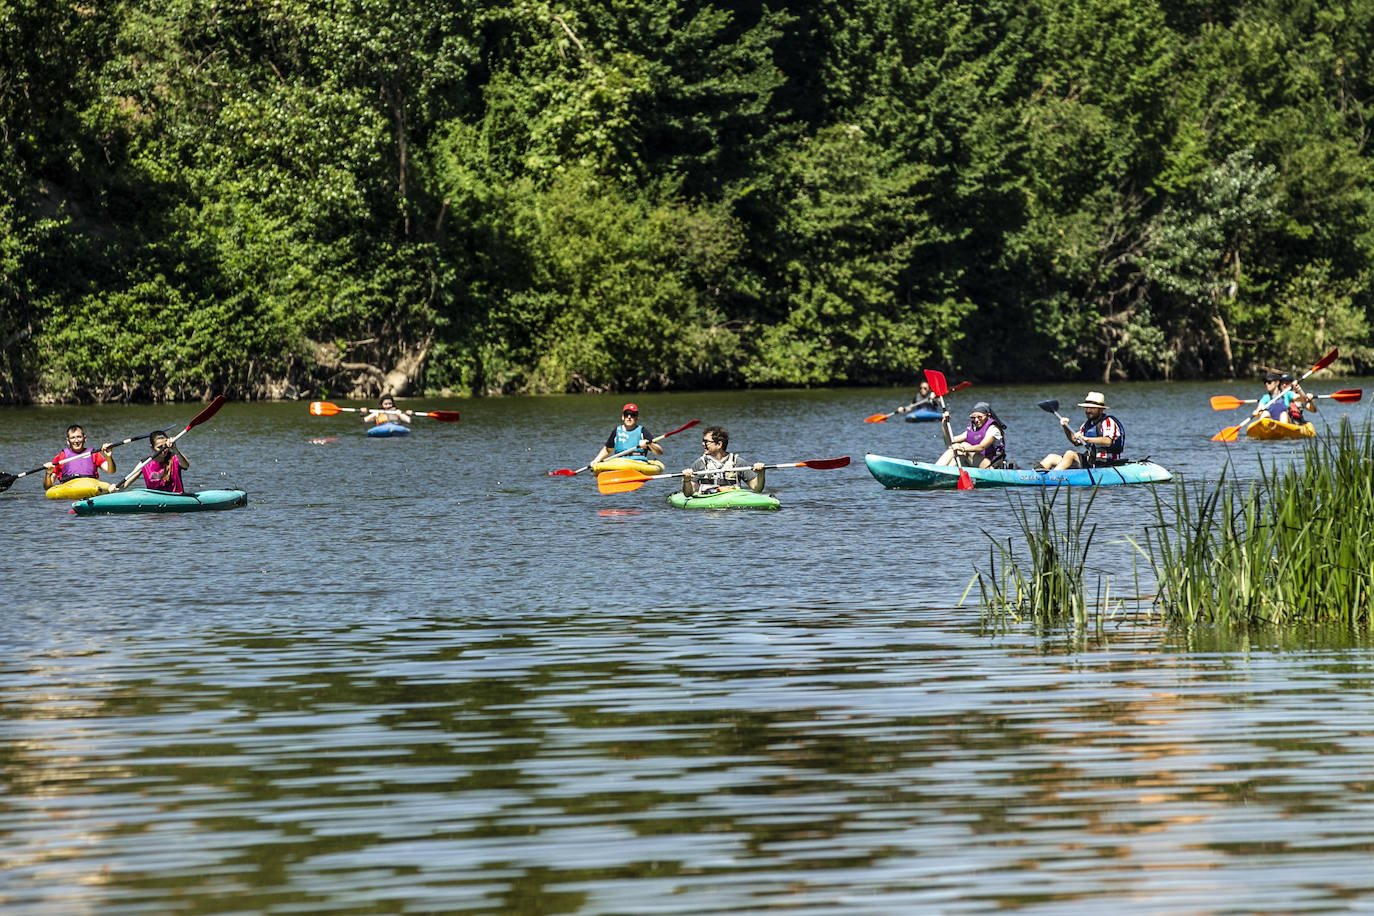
[{"x": 152, "y": 472}]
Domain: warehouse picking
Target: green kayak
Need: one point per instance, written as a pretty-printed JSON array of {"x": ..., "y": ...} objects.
[{"x": 733, "y": 498}]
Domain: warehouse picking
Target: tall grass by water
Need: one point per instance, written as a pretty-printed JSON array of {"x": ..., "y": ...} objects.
[
  {"x": 1293, "y": 548},
  {"x": 1296, "y": 547}
]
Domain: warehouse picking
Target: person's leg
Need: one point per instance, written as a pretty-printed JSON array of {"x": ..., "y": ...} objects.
[
  {"x": 947, "y": 457},
  {"x": 1070, "y": 460}
]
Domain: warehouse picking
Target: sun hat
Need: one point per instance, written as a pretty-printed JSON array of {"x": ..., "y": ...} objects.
[{"x": 1094, "y": 399}]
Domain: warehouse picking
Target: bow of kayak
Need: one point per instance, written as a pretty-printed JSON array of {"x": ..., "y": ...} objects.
[
  {"x": 385, "y": 430},
  {"x": 78, "y": 488},
  {"x": 126, "y": 502},
  {"x": 1267, "y": 428},
  {"x": 902, "y": 474},
  {"x": 647, "y": 468},
  {"x": 922, "y": 415}
]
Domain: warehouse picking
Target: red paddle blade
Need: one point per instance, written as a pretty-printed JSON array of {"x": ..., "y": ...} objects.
[
  {"x": 1347, "y": 395},
  {"x": 208, "y": 412},
  {"x": 1325, "y": 361},
  {"x": 936, "y": 380},
  {"x": 323, "y": 408},
  {"x": 824, "y": 464},
  {"x": 1225, "y": 402},
  {"x": 562, "y": 472},
  {"x": 621, "y": 481},
  {"x": 960, "y": 387},
  {"x": 448, "y": 416},
  {"x": 965, "y": 481},
  {"x": 877, "y": 418},
  {"x": 688, "y": 425}
]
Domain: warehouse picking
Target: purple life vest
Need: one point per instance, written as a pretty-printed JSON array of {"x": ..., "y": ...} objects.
[
  {"x": 82, "y": 466},
  {"x": 994, "y": 451}
]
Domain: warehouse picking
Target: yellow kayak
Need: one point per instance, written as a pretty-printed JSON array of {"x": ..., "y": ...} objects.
[
  {"x": 79, "y": 488},
  {"x": 628, "y": 464},
  {"x": 1266, "y": 428}
]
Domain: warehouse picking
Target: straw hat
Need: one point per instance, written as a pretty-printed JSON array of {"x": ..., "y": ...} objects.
[{"x": 1094, "y": 399}]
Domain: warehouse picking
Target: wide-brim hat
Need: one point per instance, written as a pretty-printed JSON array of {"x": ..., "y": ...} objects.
[{"x": 1094, "y": 399}]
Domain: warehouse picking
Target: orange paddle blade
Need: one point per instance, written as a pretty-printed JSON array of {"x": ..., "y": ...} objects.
[
  {"x": 1229, "y": 434},
  {"x": 621, "y": 481},
  {"x": 323, "y": 408},
  {"x": 877, "y": 418},
  {"x": 1226, "y": 402}
]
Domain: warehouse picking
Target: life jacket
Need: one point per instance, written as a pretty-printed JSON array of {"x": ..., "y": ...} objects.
[
  {"x": 152, "y": 471},
  {"x": 1109, "y": 454},
  {"x": 717, "y": 475},
  {"x": 82, "y": 466},
  {"x": 626, "y": 439},
  {"x": 1278, "y": 406},
  {"x": 996, "y": 451}
]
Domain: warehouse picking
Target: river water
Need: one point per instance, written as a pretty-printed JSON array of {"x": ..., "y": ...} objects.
[{"x": 420, "y": 676}]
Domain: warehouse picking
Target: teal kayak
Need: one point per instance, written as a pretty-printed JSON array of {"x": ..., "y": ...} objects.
[
  {"x": 130, "y": 501},
  {"x": 901, "y": 474},
  {"x": 733, "y": 498}
]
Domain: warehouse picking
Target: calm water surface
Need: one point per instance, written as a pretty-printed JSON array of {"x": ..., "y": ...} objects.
[{"x": 420, "y": 676}]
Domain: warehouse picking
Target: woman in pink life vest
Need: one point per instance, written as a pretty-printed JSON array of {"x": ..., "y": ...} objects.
[{"x": 78, "y": 461}]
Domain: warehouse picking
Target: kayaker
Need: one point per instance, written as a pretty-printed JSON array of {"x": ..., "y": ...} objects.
[
  {"x": 162, "y": 472},
  {"x": 78, "y": 461},
  {"x": 983, "y": 439},
  {"x": 385, "y": 412},
  {"x": 925, "y": 400},
  {"x": 628, "y": 436},
  {"x": 1289, "y": 402},
  {"x": 718, "y": 469},
  {"x": 1102, "y": 433}
]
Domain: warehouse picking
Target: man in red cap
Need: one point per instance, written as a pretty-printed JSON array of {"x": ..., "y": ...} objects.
[{"x": 629, "y": 437}]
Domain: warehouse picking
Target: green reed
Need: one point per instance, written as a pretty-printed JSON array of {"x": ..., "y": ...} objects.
[
  {"x": 1294, "y": 548},
  {"x": 1049, "y": 582}
]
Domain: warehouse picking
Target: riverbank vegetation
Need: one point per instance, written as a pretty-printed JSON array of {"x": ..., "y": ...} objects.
[
  {"x": 272, "y": 199},
  {"x": 1295, "y": 548}
]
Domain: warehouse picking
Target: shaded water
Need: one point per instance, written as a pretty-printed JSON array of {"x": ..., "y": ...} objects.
[{"x": 419, "y": 676}]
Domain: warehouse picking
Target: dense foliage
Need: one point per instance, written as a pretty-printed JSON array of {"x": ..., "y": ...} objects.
[{"x": 264, "y": 198}]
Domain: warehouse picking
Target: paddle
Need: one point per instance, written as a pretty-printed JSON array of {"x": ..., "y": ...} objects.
[
  {"x": 628, "y": 481},
  {"x": 568, "y": 472},
  {"x": 6, "y": 480},
  {"x": 210, "y": 410},
  {"x": 326, "y": 409},
  {"x": 1227, "y": 402},
  {"x": 882, "y": 417},
  {"x": 1232, "y": 433}
]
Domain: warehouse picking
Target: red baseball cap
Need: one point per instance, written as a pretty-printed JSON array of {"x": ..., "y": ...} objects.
[{"x": 630, "y": 408}]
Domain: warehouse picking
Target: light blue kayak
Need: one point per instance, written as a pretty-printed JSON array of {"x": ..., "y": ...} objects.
[
  {"x": 126, "y": 502},
  {"x": 389, "y": 429},
  {"x": 901, "y": 474}
]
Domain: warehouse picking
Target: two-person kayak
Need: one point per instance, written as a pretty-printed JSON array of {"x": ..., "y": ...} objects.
[{"x": 903, "y": 474}]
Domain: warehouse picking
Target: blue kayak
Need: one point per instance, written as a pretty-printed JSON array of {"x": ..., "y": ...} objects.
[
  {"x": 922, "y": 415},
  {"x": 124, "y": 502},
  {"x": 901, "y": 474},
  {"x": 389, "y": 429}
]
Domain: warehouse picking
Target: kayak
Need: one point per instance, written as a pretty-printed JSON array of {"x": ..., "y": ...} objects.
[
  {"x": 1268, "y": 428},
  {"x": 923, "y": 415},
  {"x": 731, "y": 498},
  {"x": 901, "y": 474},
  {"x": 78, "y": 488},
  {"x": 389, "y": 429},
  {"x": 628, "y": 464},
  {"x": 130, "y": 501}
]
